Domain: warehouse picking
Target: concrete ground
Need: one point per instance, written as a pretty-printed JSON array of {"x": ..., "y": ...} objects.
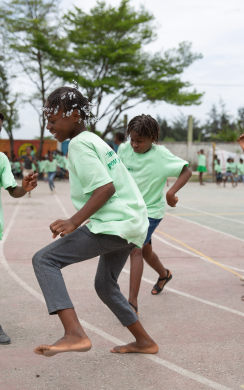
[{"x": 197, "y": 320}]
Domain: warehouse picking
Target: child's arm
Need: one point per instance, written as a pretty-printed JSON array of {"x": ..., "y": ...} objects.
[
  {"x": 241, "y": 141},
  {"x": 99, "y": 197},
  {"x": 28, "y": 184},
  {"x": 182, "y": 180}
]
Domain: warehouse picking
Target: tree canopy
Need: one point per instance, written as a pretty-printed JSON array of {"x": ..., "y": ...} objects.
[{"x": 106, "y": 55}]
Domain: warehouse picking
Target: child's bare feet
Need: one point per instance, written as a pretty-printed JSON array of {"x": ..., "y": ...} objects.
[
  {"x": 147, "y": 347},
  {"x": 68, "y": 343}
]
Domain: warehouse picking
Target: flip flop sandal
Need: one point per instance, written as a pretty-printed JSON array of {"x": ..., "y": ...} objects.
[
  {"x": 156, "y": 286},
  {"x": 134, "y": 307}
]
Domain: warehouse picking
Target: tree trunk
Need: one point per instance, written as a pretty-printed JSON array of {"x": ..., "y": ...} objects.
[
  {"x": 39, "y": 155},
  {"x": 11, "y": 146},
  {"x": 93, "y": 128}
]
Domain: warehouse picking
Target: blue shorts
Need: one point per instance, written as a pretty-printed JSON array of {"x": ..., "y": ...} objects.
[{"x": 153, "y": 224}]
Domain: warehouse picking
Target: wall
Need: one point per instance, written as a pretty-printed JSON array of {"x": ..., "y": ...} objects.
[{"x": 20, "y": 146}]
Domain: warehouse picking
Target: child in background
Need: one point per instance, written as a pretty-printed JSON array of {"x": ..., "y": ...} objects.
[
  {"x": 103, "y": 191},
  {"x": 29, "y": 160},
  {"x": 201, "y": 165},
  {"x": 51, "y": 167},
  {"x": 18, "y": 169},
  {"x": 150, "y": 165},
  {"x": 218, "y": 171},
  {"x": 8, "y": 182},
  {"x": 119, "y": 139},
  {"x": 240, "y": 171},
  {"x": 229, "y": 173}
]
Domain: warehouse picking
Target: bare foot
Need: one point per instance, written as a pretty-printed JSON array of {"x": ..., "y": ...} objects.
[
  {"x": 147, "y": 347},
  {"x": 68, "y": 343}
]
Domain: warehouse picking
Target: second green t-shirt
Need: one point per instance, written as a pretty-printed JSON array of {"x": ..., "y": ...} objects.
[{"x": 150, "y": 171}]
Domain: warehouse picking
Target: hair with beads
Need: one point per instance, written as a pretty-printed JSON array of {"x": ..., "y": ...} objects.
[
  {"x": 1, "y": 116},
  {"x": 70, "y": 99},
  {"x": 145, "y": 126}
]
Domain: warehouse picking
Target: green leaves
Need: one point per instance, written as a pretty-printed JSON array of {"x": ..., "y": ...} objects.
[{"x": 106, "y": 55}]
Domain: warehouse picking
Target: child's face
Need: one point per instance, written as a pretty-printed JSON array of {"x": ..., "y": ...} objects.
[
  {"x": 28, "y": 151},
  {"x": 63, "y": 128},
  {"x": 140, "y": 144}
]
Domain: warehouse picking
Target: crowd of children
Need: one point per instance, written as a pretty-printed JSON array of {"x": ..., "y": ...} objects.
[
  {"x": 233, "y": 172},
  {"x": 53, "y": 164}
]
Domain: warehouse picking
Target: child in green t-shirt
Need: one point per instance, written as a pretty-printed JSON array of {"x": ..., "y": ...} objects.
[
  {"x": 103, "y": 191},
  {"x": 150, "y": 165},
  {"x": 230, "y": 170},
  {"x": 201, "y": 165},
  {"x": 8, "y": 182},
  {"x": 218, "y": 171},
  {"x": 240, "y": 171}
]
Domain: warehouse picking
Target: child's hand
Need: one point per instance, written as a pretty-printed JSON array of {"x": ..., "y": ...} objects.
[
  {"x": 62, "y": 227},
  {"x": 241, "y": 141},
  {"x": 30, "y": 182},
  {"x": 171, "y": 199}
]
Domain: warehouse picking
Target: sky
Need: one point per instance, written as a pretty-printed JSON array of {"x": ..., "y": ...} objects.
[{"x": 216, "y": 30}]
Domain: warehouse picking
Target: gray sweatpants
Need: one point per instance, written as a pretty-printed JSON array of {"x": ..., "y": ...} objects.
[{"x": 76, "y": 247}]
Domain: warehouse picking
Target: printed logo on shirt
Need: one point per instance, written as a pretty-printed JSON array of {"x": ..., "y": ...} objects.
[
  {"x": 110, "y": 153},
  {"x": 114, "y": 162}
]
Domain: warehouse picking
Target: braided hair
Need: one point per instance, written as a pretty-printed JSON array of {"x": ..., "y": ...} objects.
[
  {"x": 70, "y": 99},
  {"x": 144, "y": 125}
]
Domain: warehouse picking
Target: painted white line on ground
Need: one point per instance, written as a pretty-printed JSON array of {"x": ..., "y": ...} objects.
[
  {"x": 239, "y": 313},
  {"x": 212, "y": 215},
  {"x": 61, "y": 206},
  {"x": 192, "y": 253},
  {"x": 205, "y": 226},
  {"x": 155, "y": 359}
]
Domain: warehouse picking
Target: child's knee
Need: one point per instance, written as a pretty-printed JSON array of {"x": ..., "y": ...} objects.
[
  {"x": 101, "y": 289},
  {"x": 36, "y": 260}
]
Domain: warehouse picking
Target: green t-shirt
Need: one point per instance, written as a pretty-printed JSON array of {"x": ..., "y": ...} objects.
[
  {"x": 61, "y": 161},
  {"x": 201, "y": 160},
  {"x": 51, "y": 166},
  {"x": 240, "y": 169},
  {"x": 150, "y": 172},
  {"x": 218, "y": 168},
  {"x": 120, "y": 148},
  {"x": 6, "y": 180},
  {"x": 92, "y": 164},
  {"x": 17, "y": 166},
  {"x": 66, "y": 163},
  {"x": 231, "y": 167}
]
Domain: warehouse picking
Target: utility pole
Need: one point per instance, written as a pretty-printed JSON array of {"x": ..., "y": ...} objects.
[
  {"x": 189, "y": 138},
  {"x": 125, "y": 124}
]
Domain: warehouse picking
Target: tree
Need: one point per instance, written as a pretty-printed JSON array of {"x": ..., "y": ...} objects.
[
  {"x": 30, "y": 27},
  {"x": 177, "y": 131},
  {"x": 106, "y": 56},
  {"x": 8, "y": 100},
  {"x": 220, "y": 126}
]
